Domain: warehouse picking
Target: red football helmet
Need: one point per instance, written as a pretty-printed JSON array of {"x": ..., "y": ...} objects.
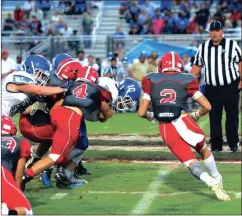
[
  {"x": 68, "y": 69},
  {"x": 87, "y": 73},
  {"x": 8, "y": 126},
  {"x": 170, "y": 61}
]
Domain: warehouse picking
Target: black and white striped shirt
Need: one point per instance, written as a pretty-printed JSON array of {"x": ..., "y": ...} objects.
[{"x": 219, "y": 62}]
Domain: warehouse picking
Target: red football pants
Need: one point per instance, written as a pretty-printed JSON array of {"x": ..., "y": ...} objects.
[
  {"x": 11, "y": 192},
  {"x": 176, "y": 143},
  {"x": 34, "y": 133},
  {"x": 66, "y": 123}
]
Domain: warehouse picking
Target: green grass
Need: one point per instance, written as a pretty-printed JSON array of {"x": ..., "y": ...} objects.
[
  {"x": 179, "y": 194},
  {"x": 130, "y": 123}
]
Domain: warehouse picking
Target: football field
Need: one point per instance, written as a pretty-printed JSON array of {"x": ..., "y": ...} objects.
[
  {"x": 137, "y": 176},
  {"x": 132, "y": 188}
]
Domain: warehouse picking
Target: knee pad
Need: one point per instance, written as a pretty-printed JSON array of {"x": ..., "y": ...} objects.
[{"x": 196, "y": 170}]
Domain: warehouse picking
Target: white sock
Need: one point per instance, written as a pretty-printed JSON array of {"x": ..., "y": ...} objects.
[
  {"x": 69, "y": 173},
  {"x": 210, "y": 165},
  {"x": 207, "y": 179}
]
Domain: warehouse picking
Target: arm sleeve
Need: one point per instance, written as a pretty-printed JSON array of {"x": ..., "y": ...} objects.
[
  {"x": 238, "y": 53},
  {"x": 198, "y": 57},
  {"x": 146, "y": 87},
  {"x": 25, "y": 149},
  {"x": 106, "y": 96},
  {"x": 193, "y": 87}
]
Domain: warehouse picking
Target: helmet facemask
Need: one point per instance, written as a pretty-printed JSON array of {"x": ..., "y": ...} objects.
[
  {"x": 124, "y": 103},
  {"x": 41, "y": 77}
]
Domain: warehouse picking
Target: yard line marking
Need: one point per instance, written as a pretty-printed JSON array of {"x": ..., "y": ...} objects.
[
  {"x": 237, "y": 194},
  {"x": 58, "y": 195},
  {"x": 150, "y": 194}
]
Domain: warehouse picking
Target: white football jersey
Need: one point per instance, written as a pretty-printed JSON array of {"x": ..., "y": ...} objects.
[
  {"x": 13, "y": 101},
  {"x": 110, "y": 85}
]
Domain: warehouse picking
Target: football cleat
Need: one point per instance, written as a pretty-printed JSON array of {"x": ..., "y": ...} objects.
[
  {"x": 75, "y": 181},
  {"x": 62, "y": 180},
  {"x": 26, "y": 179},
  {"x": 81, "y": 170},
  {"x": 45, "y": 177},
  {"x": 220, "y": 193},
  {"x": 219, "y": 179}
]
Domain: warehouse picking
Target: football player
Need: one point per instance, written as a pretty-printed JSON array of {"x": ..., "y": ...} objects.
[
  {"x": 82, "y": 98},
  {"x": 167, "y": 92},
  {"x": 18, "y": 87},
  {"x": 14, "y": 154}
]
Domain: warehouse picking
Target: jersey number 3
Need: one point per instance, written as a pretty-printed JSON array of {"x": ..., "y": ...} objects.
[
  {"x": 171, "y": 96},
  {"x": 80, "y": 91}
]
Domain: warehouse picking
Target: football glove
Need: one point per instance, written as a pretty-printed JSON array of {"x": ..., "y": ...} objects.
[
  {"x": 195, "y": 116},
  {"x": 39, "y": 106},
  {"x": 150, "y": 116}
]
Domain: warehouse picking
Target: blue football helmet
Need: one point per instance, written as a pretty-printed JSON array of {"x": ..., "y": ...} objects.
[
  {"x": 129, "y": 94},
  {"x": 58, "y": 59},
  {"x": 39, "y": 66}
]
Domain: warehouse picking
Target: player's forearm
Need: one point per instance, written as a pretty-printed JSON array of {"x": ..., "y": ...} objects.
[
  {"x": 20, "y": 170},
  {"x": 41, "y": 90},
  {"x": 240, "y": 70},
  {"x": 196, "y": 70}
]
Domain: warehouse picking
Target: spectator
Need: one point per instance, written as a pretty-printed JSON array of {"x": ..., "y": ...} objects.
[
  {"x": 90, "y": 62},
  {"x": 99, "y": 63},
  {"x": 28, "y": 6},
  {"x": 75, "y": 43},
  {"x": 165, "y": 5},
  {"x": 58, "y": 26},
  {"x": 146, "y": 29},
  {"x": 234, "y": 17},
  {"x": 9, "y": 23},
  {"x": 234, "y": 5},
  {"x": 87, "y": 26},
  {"x": 132, "y": 12},
  {"x": 66, "y": 31},
  {"x": 113, "y": 71},
  {"x": 56, "y": 16},
  {"x": 118, "y": 39},
  {"x": 139, "y": 69},
  {"x": 124, "y": 6},
  {"x": 202, "y": 16},
  {"x": 19, "y": 60},
  {"x": 37, "y": 13},
  {"x": 124, "y": 67},
  {"x": 142, "y": 17},
  {"x": 35, "y": 26},
  {"x": 24, "y": 24},
  {"x": 69, "y": 8},
  {"x": 181, "y": 23},
  {"x": 134, "y": 30},
  {"x": 80, "y": 6},
  {"x": 8, "y": 64},
  {"x": 18, "y": 14},
  {"x": 106, "y": 62},
  {"x": 170, "y": 22},
  {"x": 81, "y": 57},
  {"x": 149, "y": 7},
  {"x": 44, "y": 5},
  {"x": 158, "y": 23},
  {"x": 153, "y": 62}
]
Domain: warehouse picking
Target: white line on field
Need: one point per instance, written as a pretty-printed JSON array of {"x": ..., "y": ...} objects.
[
  {"x": 237, "y": 194},
  {"x": 150, "y": 194},
  {"x": 58, "y": 196}
]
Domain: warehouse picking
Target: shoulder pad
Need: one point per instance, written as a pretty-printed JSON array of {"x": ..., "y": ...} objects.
[{"x": 22, "y": 77}]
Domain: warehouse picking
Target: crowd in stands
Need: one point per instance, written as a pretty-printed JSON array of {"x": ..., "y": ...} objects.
[
  {"x": 179, "y": 16},
  {"x": 43, "y": 17}
]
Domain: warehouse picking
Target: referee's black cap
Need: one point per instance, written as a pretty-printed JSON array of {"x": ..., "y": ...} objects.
[{"x": 216, "y": 26}]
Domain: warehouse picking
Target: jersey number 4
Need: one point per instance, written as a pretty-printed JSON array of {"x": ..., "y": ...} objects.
[
  {"x": 169, "y": 96},
  {"x": 80, "y": 91}
]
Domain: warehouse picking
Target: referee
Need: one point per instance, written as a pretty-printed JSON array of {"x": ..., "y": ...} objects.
[{"x": 221, "y": 60}]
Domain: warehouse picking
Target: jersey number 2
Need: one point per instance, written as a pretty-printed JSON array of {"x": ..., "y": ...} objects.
[
  {"x": 171, "y": 96},
  {"x": 81, "y": 91}
]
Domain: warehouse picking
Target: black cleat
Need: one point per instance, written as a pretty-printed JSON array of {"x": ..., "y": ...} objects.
[
  {"x": 62, "y": 180},
  {"x": 233, "y": 150},
  {"x": 81, "y": 170},
  {"x": 25, "y": 180}
]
